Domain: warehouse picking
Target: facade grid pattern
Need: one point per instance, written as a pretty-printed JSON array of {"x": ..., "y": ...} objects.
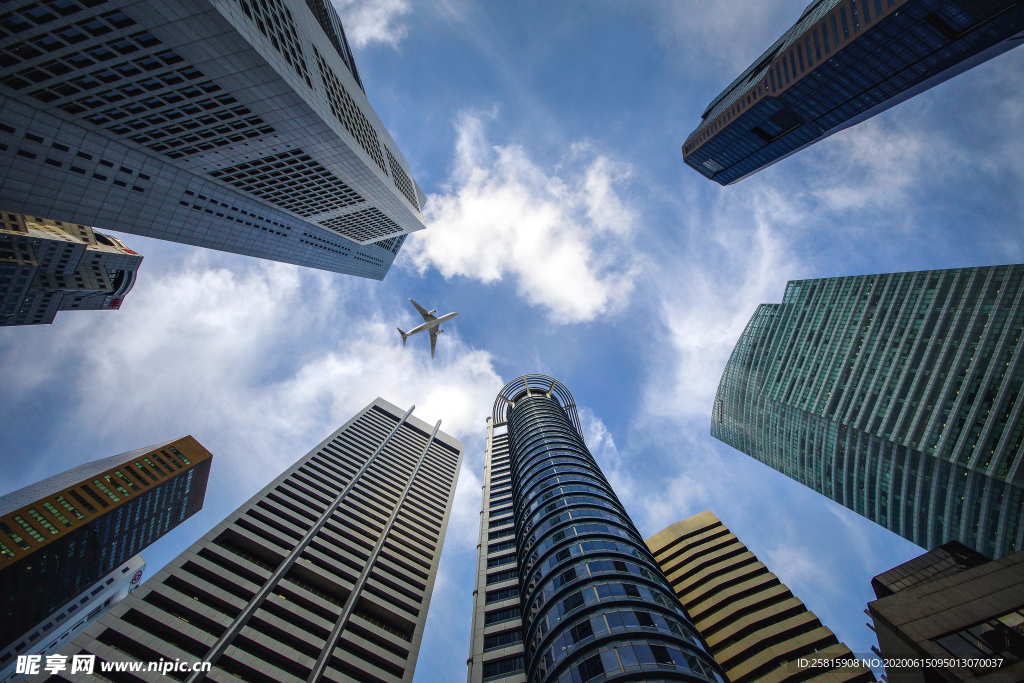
[
  {"x": 324, "y": 575},
  {"x": 94, "y": 86}
]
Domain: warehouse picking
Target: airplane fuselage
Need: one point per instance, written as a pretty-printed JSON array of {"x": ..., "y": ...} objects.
[{"x": 431, "y": 323}]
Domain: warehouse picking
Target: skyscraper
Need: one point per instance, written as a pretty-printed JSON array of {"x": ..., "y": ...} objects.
[
  {"x": 842, "y": 62},
  {"x": 324, "y": 575},
  {"x": 238, "y": 125},
  {"x": 956, "y": 608},
  {"x": 63, "y": 533},
  {"x": 51, "y": 633},
  {"x": 751, "y": 622},
  {"x": 48, "y": 266},
  {"x": 566, "y": 589},
  {"x": 897, "y": 395}
]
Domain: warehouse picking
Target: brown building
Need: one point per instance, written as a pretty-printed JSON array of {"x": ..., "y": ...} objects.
[
  {"x": 753, "y": 625},
  {"x": 952, "y": 603},
  {"x": 61, "y": 534}
]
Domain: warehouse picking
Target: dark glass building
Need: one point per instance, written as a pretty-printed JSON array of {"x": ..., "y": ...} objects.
[
  {"x": 61, "y": 534},
  {"x": 567, "y": 590},
  {"x": 841, "y": 63},
  {"x": 896, "y": 395}
]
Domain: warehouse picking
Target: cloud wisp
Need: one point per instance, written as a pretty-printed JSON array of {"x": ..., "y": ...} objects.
[
  {"x": 374, "y": 21},
  {"x": 562, "y": 234}
]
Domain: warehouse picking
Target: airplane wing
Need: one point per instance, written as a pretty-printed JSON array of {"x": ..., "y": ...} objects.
[
  {"x": 422, "y": 311},
  {"x": 433, "y": 341}
]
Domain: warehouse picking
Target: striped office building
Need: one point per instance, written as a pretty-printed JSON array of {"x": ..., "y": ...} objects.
[
  {"x": 566, "y": 589},
  {"x": 897, "y": 395},
  {"x": 324, "y": 575},
  {"x": 752, "y": 623}
]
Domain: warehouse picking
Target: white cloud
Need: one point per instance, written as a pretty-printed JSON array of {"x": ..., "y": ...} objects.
[
  {"x": 798, "y": 566},
  {"x": 563, "y": 234},
  {"x": 727, "y": 39},
  {"x": 744, "y": 257},
  {"x": 256, "y": 362},
  {"x": 875, "y": 164},
  {"x": 369, "y": 21}
]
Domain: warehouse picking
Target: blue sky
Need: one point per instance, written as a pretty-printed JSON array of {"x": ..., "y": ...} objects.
[{"x": 566, "y": 230}]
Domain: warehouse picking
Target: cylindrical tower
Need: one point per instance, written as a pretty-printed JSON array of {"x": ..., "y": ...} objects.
[{"x": 594, "y": 604}]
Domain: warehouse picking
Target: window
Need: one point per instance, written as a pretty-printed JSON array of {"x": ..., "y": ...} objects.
[
  {"x": 581, "y": 631},
  {"x": 572, "y": 602},
  {"x": 497, "y": 547},
  {"x": 503, "y": 667},
  {"x": 506, "y": 614},
  {"x": 502, "y": 639},
  {"x": 502, "y": 594},
  {"x": 1002, "y": 637},
  {"x": 591, "y": 668}
]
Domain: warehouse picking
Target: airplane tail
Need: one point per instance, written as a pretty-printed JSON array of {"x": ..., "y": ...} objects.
[{"x": 404, "y": 335}]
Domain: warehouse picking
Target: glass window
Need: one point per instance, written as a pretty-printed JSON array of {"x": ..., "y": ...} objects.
[
  {"x": 581, "y": 630},
  {"x": 591, "y": 668},
  {"x": 572, "y": 602}
]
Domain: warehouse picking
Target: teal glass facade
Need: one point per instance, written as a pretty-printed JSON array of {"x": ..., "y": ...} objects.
[
  {"x": 896, "y": 395},
  {"x": 842, "y": 62}
]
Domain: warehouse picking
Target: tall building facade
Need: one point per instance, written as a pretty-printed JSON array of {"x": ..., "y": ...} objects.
[
  {"x": 238, "y": 125},
  {"x": 60, "y": 535},
  {"x": 897, "y": 395},
  {"x": 957, "y": 608},
  {"x": 842, "y": 62},
  {"x": 49, "y": 635},
  {"x": 753, "y": 625},
  {"x": 324, "y": 575},
  {"x": 566, "y": 589},
  {"x": 48, "y": 266}
]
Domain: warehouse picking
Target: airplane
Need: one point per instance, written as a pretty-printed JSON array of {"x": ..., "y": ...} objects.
[{"x": 430, "y": 322}]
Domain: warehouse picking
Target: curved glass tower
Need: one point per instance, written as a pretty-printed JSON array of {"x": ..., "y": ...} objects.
[
  {"x": 592, "y": 604},
  {"x": 896, "y": 395}
]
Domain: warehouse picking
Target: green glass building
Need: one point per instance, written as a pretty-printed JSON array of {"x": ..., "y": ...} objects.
[{"x": 897, "y": 395}]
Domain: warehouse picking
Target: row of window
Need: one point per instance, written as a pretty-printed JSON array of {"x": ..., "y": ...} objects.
[
  {"x": 562, "y": 519},
  {"x": 573, "y": 531},
  {"x": 626, "y": 623},
  {"x": 585, "y": 549},
  {"x": 649, "y": 656},
  {"x": 582, "y": 571}
]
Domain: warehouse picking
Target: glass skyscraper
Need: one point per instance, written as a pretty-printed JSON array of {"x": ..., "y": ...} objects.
[
  {"x": 842, "y": 62},
  {"x": 566, "y": 590},
  {"x": 896, "y": 395},
  {"x": 239, "y": 125}
]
